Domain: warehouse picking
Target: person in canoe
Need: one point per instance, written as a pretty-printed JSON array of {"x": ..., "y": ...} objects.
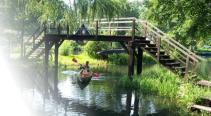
[{"x": 85, "y": 66}]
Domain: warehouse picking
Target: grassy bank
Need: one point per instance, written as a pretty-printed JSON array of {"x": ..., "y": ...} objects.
[
  {"x": 167, "y": 84},
  {"x": 15, "y": 61}
]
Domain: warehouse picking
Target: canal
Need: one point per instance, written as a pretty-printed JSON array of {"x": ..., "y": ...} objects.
[{"x": 102, "y": 96}]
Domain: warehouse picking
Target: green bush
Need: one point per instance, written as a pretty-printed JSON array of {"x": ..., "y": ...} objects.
[
  {"x": 64, "y": 49},
  {"x": 123, "y": 59},
  {"x": 92, "y": 47},
  {"x": 119, "y": 59}
]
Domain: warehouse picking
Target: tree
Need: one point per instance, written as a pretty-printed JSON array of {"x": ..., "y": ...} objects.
[{"x": 189, "y": 21}]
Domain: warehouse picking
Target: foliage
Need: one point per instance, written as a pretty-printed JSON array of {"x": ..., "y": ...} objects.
[
  {"x": 119, "y": 59},
  {"x": 64, "y": 50},
  {"x": 123, "y": 59},
  {"x": 167, "y": 84},
  {"x": 92, "y": 47},
  {"x": 189, "y": 21}
]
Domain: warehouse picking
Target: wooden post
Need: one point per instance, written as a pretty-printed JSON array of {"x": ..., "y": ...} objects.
[
  {"x": 133, "y": 30},
  {"x": 145, "y": 30},
  {"x": 168, "y": 46},
  {"x": 46, "y": 53},
  {"x": 187, "y": 66},
  {"x": 56, "y": 51},
  {"x": 194, "y": 63},
  {"x": 131, "y": 59},
  {"x": 58, "y": 29},
  {"x": 96, "y": 36},
  {"x": 139, "y": 61},
  {"x": 158, "y": 50}
]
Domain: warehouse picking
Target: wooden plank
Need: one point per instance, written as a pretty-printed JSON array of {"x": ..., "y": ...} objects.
[
  {"x": 199, "y": 107},
  {"x": 204, "y": 83},
  {"x": 90, "y": 37}
]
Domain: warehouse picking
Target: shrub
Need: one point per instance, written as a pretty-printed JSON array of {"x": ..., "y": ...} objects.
[
  {"x": 92, "y": 47},
  {"x": 64, "y": 49}
]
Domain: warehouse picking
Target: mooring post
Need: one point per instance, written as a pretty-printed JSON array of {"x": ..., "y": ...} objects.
[
  {"x": 56, "y": 51},
  {"x": 46, "y": 66},
  {"x": 139, "y": 61}
]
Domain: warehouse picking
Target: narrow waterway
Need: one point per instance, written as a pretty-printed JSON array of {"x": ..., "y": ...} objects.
[{"x": 100, "y": 97}]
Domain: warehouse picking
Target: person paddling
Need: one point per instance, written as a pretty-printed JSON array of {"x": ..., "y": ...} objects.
[{"x": 86, "y": 66}]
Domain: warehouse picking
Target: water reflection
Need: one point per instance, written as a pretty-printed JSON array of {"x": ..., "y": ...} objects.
[{"x": 100, "y": 97}]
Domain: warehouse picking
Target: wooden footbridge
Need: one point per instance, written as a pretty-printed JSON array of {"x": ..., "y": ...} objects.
[{"x": 144, "y": 37}]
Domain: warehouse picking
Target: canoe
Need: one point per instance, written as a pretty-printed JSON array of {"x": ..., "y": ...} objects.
[
  {"x": 84, "y": 77},
  {"x": 83, "y": 85}
]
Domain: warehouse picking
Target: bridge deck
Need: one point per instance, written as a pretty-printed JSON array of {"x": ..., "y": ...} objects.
[{"x": 112, "y": 38}]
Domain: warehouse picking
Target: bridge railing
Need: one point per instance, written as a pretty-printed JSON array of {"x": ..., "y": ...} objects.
[{"x": 171, "y": 46}]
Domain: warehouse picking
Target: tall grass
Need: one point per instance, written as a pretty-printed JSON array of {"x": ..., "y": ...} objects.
[{"x": 167, "y": 84}]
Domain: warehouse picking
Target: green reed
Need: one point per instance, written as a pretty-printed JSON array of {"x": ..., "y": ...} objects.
[{"x": 164, "y": 83}]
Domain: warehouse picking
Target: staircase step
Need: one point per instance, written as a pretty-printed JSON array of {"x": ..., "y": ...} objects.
[
  {"x": 167, "y": 60},
  {"x": 163, "y": 56},
  {"x": 147, "y": 44},
  {"x": 199, "y": 107},
  {"x": 204, "y": 83},
  {"x": 179, "y": 68},
  {"x": 155, "y": 52},
  {"x": 193, "y": 76},
  {"x": 143, "y": 41},
  {"x": 183, "y": 72},
  {"x": 174, "y": 64},
  {"x": 151, "y": 48}
]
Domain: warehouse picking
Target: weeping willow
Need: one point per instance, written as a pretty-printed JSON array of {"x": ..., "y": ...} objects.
[{"x": 59, "y": 12}]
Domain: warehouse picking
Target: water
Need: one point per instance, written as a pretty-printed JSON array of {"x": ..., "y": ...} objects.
[{"x": 100, "y": 97}]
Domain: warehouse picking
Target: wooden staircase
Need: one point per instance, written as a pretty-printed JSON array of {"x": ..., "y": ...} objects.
[
  {"x": 36, "y": 48},
  {"x": 162, "y": 57},
  {"x": 167, "y": 51}
]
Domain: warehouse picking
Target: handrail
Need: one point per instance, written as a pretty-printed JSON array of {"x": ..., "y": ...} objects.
[
  {"x": 168, "y": 41},
  {"x": 173, "y": 40}
]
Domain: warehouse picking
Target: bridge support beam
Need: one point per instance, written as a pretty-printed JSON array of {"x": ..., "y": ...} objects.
[
  {"x": 131, "y": 59},
  {"x": 139, "y": 61},
  {"x": 47, "y": 48}
]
